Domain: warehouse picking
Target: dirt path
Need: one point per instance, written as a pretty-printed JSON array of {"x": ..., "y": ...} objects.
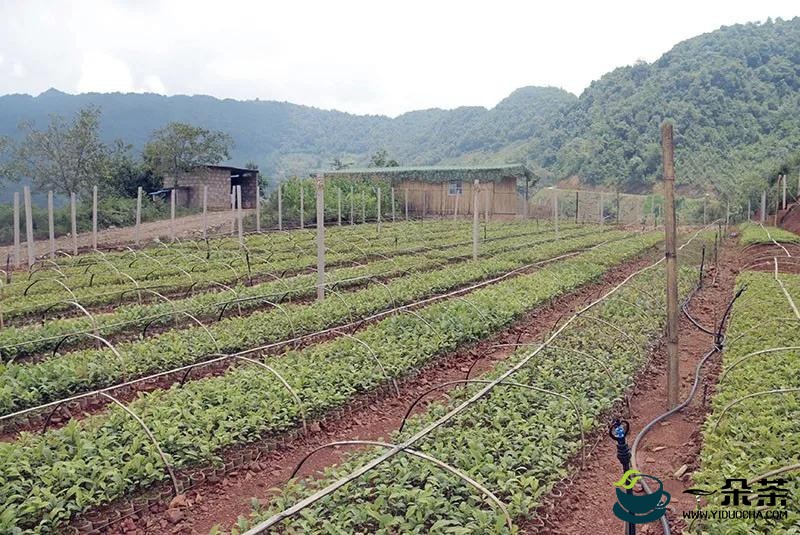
[
  {"x": 670, "y": 450},
  {"x": 184, "y": 227},
  {"x": 223, "y": 499}
]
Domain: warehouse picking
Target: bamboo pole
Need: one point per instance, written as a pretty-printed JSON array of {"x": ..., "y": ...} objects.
[
  {"x": 320, "y": 191},
  {"x": 94, "y": 218},
  {"x": 74, "y": 221},
  {"x": 475, "y": 217},
  {"x": 763, "y": 206},
  {"x": 748, "y": 209},
  {"x": 339, "y": 206},
  {"x": 555, "y": 210},
  {"x": 600, "y": 211},
  {"x": 26, "y": 193},
  {"x": 51, "y": 227},
  {"x": 363, "y": 207},
  {"x": 17, "y": 253},
  {"x": 378, "y": 190},
  {"x": 673, "y": 375},
  {"x": 205, "y": 212},
  {"x": 258, "y": 208},
  {"x": 280, "y": 207},
  {"x": 352, "y": 206},
  {"x": 577, "y": 205},
  {"x": 172, "y": 214},
  {"x": 784, "y": 192},
  {"x": 302, "y": 208},
  {"x": 239, "y": 216},
  {"x": 392, "y": 199},
  {"x": 136, "y": 232}
]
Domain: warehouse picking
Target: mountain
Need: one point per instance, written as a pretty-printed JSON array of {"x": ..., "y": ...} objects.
[{"x": 733, "y": 95}]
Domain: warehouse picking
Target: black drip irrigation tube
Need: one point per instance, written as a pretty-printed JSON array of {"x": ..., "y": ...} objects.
[{"x": 719, "y": 340}]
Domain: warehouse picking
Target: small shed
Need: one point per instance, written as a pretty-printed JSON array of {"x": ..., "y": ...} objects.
[
  {"x": 220, "y": 180},
  {"x": 436, "y": 190}
]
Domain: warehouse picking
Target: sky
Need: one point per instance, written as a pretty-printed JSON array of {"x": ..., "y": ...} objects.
[{"x": 365, "y": 57}]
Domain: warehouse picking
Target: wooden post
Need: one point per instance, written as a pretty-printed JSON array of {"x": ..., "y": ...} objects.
[
  {"x": 673, "y": 375},
  {"x": 763, "y": 206},
  {"x": 51, "y": 224},
  {"x": 339, "y": 206},
  {"x": 555, "y": 210},
  {"x": 378, "y": 191},
  {"x": 577, "y": 205},
  {"x": 94, "y": 218},
  {"x": 748, "y": 209},
  {"x": 486, "y": 204},
  {"x": 392, "y": 199},
  {"x": 777, "y": 200},
  {"x": 727, "y": 215},
  {"x": 406, "y": 201},
  {"x": 704, "y": 210},
  {"x": 475, "y": 216},
  {"x": 233, "y": 211},
  {"x": 205, "y": 212},
  {"x": 618, "y": 206},
  {"x": 258, "y": 208},
  {"x": 136, "y": 234},
  {"x": 320, "y": 190},
  {"x": 363, "y": 207},
  {"x": 17, "y": 259},
  {"x": 26, "y": 193},
  {"x": 455, "y": 207},
  {"x": 74, "y": 217},
  {"x": 352, "y": 206},
  {"x": 798, "y": 187},
  {"x": 239, "y": 218},
  {"x": 600, "y": 214},
  {"x": 784, "y": 192},
  {"x": 302, "y": 208},
  {"x": 172, "y": 214},
  {"x": 280, "y": 207}
]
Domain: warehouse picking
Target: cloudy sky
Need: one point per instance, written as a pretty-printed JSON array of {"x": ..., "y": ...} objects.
[{"x": 356, "y": 56}]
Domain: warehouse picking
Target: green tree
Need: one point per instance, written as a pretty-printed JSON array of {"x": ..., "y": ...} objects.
[
  {"x": 381, "y": 159},
  {"x": 66, "y": 157},
  {"x": 182, "y": 147}
]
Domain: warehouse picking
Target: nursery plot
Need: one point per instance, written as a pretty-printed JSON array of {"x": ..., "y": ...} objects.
[
  {"x": 754, "y": 428},
  {"x": 513, "y": 442},
  {"x": 194, "y": 424}
]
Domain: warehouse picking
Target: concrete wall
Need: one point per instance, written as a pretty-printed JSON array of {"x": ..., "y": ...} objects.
[{"x": 219, "y": 188}]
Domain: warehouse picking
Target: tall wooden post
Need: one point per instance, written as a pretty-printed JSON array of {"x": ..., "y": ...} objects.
[
  {"x": 704, "y": 210},
  {"x": 363, "y": 207},
  {"x": 555, "y": 210},
  {"x": 392, "y": 200},
  {"x": 239, "y": 218},
  {"x": 280, "y": 207},
  {"x": 777, "y": 200},
  {"x": 74, "y": 221},
  {"x": 94, "y": 218},
  {"x": 258, "y": 208},
  {"x": 51, "y": 227},
  {"x": 172, "y": 214},
  {"x": 748, "y": 209},
  {"x": 673, "y": 375},
  {"x": 727, "y": 215},
  {"x": 600, "y": 214},
  {"x": 26, "y": 193},
  {"x": 320, "y": 190},
  {"x": 352, "y": 206},
  {"x": 577, "y": 206},
  {"x": 618, "y": 207},
  {"x": 339, "y": 206},
  {"x": 233, "y": 211},
  {"x": 205, "y": 212},
  {"x": 302, "y": 208},
  {"x": 763, "y": 205},
  {"x": 378, "y": 192},
  {"x": 486, "y": 204},
  {"x": 405, "y": 195},
  {"x": 455, "y": 207},
  {"x": 475, "y": 217},
  {"x": 784, "y": 192},
  {"x": 17, "y": 253},
  {"x": 136, "y": 232},
  {"x": 798, "y": 187}
]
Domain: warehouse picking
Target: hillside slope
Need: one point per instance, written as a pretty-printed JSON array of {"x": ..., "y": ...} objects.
[{"x": 733, "y": 94}]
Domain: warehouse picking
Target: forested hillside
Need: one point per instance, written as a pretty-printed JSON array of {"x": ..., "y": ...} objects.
[{"x": 733, "y": 94}]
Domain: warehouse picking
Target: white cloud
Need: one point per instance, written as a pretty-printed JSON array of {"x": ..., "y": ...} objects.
[
  {"x": 352, "y": 55},
  {"x": 18, "y": 70}
]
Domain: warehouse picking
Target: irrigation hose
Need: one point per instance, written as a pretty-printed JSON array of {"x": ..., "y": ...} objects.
[{"x": 718, "y": 344}]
